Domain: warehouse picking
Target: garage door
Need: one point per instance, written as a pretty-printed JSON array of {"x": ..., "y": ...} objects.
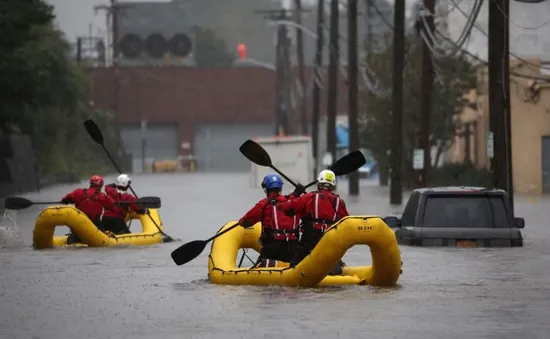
[
  {"x": 216, "y": 146},
  {"x": 161, "y": 143}
]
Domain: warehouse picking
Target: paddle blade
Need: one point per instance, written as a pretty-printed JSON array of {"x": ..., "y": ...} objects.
[
  {"x": 188, "y": 252},
  {"x": 93, "y": 131},
  {"x": 145, "y": 202},
  {"x": 255, "y": 153},
  {"x": 349, "y": 163},
  {"x": 16, "y": 203}
]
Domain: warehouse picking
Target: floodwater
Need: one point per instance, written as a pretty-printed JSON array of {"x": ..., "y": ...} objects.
[{"x": 140, "y": 293}]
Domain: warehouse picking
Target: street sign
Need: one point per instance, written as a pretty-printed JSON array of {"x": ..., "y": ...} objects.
[
  {"x": 490, "y": 145},
  {"x": 418, "y": 159}
]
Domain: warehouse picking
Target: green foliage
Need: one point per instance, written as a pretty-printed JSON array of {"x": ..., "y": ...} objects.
[
  {"x": 45, "y": 94},
  {"x": 211, "y": 51},
  {"x": 454, "y": 78},
  {"x": 459, "y": 175}
]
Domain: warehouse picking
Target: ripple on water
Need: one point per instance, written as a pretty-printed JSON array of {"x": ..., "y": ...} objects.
[{"x": 140, "y": 293}]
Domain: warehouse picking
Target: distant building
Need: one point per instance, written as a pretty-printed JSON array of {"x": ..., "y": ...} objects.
[
  {"x": 530, "y": 114},
  {"x": 206, "y": 112}
]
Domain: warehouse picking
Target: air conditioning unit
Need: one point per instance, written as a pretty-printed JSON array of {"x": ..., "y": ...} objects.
[{"x": 155, "y": 45}]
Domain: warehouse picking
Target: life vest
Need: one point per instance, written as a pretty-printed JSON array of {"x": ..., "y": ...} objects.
[
  {"x": 323, "y": 210},
  {"x": 119, "y": 211},
  {"x": 276, "y": 222},
  {"x": 90, "y": 204}
]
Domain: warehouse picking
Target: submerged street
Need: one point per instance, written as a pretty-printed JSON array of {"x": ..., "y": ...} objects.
[{"x": 140, "y": 293}]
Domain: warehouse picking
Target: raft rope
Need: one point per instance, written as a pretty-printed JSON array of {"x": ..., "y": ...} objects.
[{"x": 245, "y": 255}]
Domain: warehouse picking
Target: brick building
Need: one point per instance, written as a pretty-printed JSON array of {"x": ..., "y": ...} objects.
[{"x": 204, "y": 112}]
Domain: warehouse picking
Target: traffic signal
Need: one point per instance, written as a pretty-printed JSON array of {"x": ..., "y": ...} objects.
[{"x": 241, "y": 49}]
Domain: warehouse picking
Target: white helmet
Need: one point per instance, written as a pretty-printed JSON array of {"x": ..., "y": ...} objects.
[
  {"x": 327, "y": 177},
  {"x": 123, "y": 180}
]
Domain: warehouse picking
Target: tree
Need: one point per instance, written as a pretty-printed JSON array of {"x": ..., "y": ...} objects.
[
  {"x": 211, "y": 51},
  {"x": 44, "y": 93},
  {"x": 18, "y": 24},
  {"x": 455, "y": 77}
]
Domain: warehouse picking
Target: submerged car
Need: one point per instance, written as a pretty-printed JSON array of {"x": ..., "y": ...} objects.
[{"x": 458, "y": 217}]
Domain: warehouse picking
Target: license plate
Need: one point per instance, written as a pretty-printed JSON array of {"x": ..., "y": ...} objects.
[{"x": 466, "y": 244}]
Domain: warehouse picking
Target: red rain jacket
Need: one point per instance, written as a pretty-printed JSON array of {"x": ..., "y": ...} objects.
[
  {"x": 120, "y": 211},
  {"x": 272, "y": 219},
  {"x": 91, "y": 201},
  {"x": 322, "y": 208}
]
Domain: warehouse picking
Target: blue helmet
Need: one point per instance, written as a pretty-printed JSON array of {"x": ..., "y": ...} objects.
[{"x": 271, "y": 182}]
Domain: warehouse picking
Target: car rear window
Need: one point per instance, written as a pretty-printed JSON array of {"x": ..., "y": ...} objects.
[{"x": 465, "y": 211}]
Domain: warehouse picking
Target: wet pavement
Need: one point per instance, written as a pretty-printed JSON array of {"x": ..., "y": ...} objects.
[{"x": 140, "y": 293}]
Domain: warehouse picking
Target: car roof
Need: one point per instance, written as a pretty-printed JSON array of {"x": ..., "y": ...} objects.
[{"x": 459, "y": 190}]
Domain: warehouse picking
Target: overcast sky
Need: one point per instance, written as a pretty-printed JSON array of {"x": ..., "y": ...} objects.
[{"x": 76, "y": 17}]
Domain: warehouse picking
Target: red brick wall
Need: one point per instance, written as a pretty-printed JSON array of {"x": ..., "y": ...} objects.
[{"x": 190, "y": 96}]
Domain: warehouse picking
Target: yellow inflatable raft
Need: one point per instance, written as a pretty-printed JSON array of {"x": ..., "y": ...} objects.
[
  {"x": 51, "y": 217},
  {"x": 312, "y": 271}
]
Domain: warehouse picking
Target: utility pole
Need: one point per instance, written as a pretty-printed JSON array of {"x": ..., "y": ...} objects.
[
  {"x": 317, "y": 83},
  {"x": 352, "y": 92},
  {"x": 426, "y": 83},
  {"x": 288, "y": 123},
  {"x": 499, "y": 95},
  {"x": 282, "y": 69},
  {"x": 369, "y": 29},
  {"x": 300, "y": 58},
  {"x": 79, "y": 51},
  {"x": 332, "y": 104},
  {"x": 113, "y": 12},
  {"x": 396, "y": 189}
]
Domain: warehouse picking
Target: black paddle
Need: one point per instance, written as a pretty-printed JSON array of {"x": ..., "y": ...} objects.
[
  {"x": 345, "y": 165},
  {"x": 189, "y": 251},
  {"x": 258, "y": 155},
  {"x": 94, "y": 132},
  {"x": 18, "y": 203}
]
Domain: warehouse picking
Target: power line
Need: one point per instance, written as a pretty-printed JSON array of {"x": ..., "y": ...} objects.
[
  {"x": 512, "y": 54},
  {"x": 283, "y": 82},
  {"x": 517, "y": 25},
  {"x": 382, "y": 17}
]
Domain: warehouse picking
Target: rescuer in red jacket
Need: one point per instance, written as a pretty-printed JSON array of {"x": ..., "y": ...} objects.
[
  {"x": 318, "y": 210},
  {"x": 91, "y": 201},
  {"x": 279, "y": 232},
  {"x": 114, "y": 220}
]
